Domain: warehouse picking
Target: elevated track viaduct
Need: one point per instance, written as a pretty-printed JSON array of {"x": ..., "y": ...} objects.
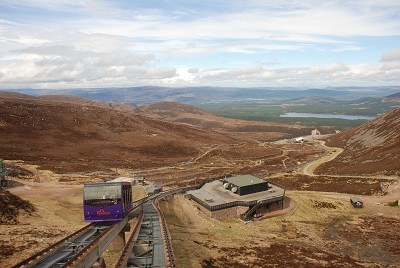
[{"x": 149, "y": 244}]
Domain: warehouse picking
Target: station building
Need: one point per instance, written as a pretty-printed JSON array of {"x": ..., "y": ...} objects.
[
  {"x": 243, "y": 196},
  {"x": 245, "y": 184}
]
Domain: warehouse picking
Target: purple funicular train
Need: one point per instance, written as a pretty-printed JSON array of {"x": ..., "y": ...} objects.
[{"x": 106, "y": 201}]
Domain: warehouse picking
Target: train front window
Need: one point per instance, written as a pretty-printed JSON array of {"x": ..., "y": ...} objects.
[{"x": 102, "y": 195}]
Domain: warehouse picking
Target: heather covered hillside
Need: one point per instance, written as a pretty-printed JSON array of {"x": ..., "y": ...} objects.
[
  {"x": 11, "y": 206},
  {"x": 252, "y": 130},
  {"x": 371, "y": 148},
  {"x": 81, "y": 136}
]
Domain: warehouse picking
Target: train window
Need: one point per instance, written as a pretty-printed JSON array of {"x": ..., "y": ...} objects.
[
  {"x": 124, "y": 193},
  {"x": 110, "y": 193},
  {"x": 127, "y": 196}
]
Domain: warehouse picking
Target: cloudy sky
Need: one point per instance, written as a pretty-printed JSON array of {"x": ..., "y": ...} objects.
[{"x": 96, "y": 43}]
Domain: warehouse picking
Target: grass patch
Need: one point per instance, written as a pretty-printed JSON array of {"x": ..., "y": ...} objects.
[
  {"x": 11, "y": 206},
  {"x": 393, "y": 204}
]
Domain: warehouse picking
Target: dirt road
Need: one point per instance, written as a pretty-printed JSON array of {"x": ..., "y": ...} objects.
[
  {"x": 374, "y": 204},
  {"x": 332, "y": 153}
]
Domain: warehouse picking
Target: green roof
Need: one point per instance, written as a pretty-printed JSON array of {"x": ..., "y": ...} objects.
[
  {"x": 244, "y": 180},
  {"x": 355, "y": 199}
]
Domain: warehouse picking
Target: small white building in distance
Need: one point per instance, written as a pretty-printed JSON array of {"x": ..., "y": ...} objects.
[
  {"x": 315, "y": 132},
  {"x": 300, "y": 139}
]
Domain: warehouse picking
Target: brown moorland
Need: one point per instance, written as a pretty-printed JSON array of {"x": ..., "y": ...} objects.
[
  {"x": 392, "y": 98},
  {"x": 71, "y": 134},
  {"x": 248, "y": 130},
  {"x": 373, "y": 148},
  {"x": 321, "y": 230},
  {"x": 11, "y": 206},
  {"x": 65, "y": 136}
]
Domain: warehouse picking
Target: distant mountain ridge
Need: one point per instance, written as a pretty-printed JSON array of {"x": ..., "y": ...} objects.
[
  {"x": 392, "y": 98},
  {"x": 193, "y": 116},
  {"x": 69, "y": 99},
  {"x": 155, "y": 94}
]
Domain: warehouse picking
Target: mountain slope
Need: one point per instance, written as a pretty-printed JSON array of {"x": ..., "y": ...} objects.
[
  {"x": 12, "y": 206},
  {"x": 392, "y": 98},
  {"x": 9, "y": 94},
  {"x": 371, "y": 148},
  {"x": 154, "y": 94},
  {"x": 84, "y": 101},
  {"x": 66, "y": 136},
  {"x": 252, "y": 130}
]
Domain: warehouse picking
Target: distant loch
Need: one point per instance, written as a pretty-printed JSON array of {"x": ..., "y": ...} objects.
[{"x": 341, "y": 116}]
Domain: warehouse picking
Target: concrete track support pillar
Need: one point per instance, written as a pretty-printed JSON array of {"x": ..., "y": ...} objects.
[
  {"x": 119, "y": 242},
  {"x": 99, "y": 264}
]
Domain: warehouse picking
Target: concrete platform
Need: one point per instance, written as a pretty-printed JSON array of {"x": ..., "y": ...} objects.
[{"x": 214, "y": 194}]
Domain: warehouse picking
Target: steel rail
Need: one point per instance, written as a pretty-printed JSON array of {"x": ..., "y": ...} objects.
[
  {"x": 92, "y": 252},
  {"x": 47, "y": 256},
  {"x": 123, "y": 259},
  {"x": 86, "y": 256},
  {"x": 53, "y": 248},
  {"x": 166, "y": 239},
  {"x": 169, "y": 252}
]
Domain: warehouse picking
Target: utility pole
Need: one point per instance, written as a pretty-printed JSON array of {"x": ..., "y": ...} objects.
[{"x": 1, "y": 173}]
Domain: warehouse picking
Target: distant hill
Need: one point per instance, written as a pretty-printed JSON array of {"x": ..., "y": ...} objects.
[
  {"x": 9, "y": 94},
  {"x": 170, "y": 109},
  {"x": 371, "y": 148},
  {"x": 154, "y": 94},
  {"x": 252, "y": 130},
  {"x": 85, "y": 101},
  {"x": 392, "y": 98},
  {"x": 367, "y": 106},
  {"x": 313, "y": 100},
  {"x": 77, "y": 135},
  {"x": 69, "y": 99}
]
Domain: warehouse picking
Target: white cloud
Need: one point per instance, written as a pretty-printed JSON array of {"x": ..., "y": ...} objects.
[
  {"x": 55, "y": 64},
  {"x": 191, "y": 49},
  {"x": 66, "y": 6},
  {"x": 329, "y": 68},
  {"x": 393, "y": 55},
  {"x": 98, "y": 42},
  {"x": 55, "y": 71},
  {"x": 313, "y": 25},
  {"x": 193, "y": 70},
  {"x": 330, "y": 74},
  {"x": 393, "y": 65}
]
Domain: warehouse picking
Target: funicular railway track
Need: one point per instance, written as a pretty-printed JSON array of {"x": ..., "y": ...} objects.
[
  {"x": 149, "y": 244},
  {"x": 84, "y": 247},
  {"x": 74, "y": 250},
  {"x": 58, "y": 251}
]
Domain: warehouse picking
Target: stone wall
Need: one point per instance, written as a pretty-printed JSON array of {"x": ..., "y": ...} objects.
[
  {"x": 201, "y": 208},
  {"x": 227, "y": 213},
  {"x": 222, "y": 214},
  {"x": 235, "y": 212}
]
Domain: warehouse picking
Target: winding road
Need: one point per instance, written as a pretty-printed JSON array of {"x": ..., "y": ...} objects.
[
  {"x": 332, "y": 153},
  {"x": 374, "y": 203}
]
